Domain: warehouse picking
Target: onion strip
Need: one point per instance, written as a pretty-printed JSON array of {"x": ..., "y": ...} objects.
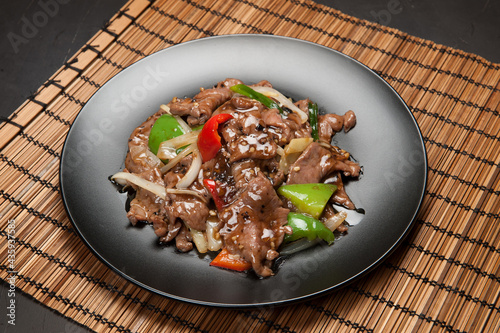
[
  {"x": 186, "y": 191},
  {"x": 181, "y": 140},
  {"x": 335, "y": 221},
  {"x": 183, "y": 124},
  {"x": 123, "y": 178},
  {"x": 271, "y": 92},
  {"x": 173, "y": 162},
  {"x": 213, "y": 236},
  {"x": 199, "y": 239},
  {"x": 168, "y": 149},
  {"x": 193, "y": 171}
]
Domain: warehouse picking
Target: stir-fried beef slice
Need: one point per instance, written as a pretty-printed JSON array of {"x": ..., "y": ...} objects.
[
  {"x": 191, "y": 210},
  {"x": 187, "y": 208},
  {"x": 284, "y": 129},
  {"x": 146, "y": 206},
  {"x": 254, "y": 225},
  {"x": 246, "y": 135},
  {"x": 349, "y": 120},
  {"x": 328, "y": 213},
  {"x": 317, "y": 162},
  {"x": 340, "y": 196},
  {"x": 329, "y": 124},
  {"x": 136, "y": 160},
  {"x": 245, "y": 170},
  {"x": 166, "y": 231},
  {"x": 219, "y": 170},
  {"x": 228, "y": 83},
  {"x": 200, "y": 108},
  {"x": 183, "y": 240}
]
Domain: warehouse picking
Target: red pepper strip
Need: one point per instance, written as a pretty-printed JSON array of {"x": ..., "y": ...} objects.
[
  {"x": 225, "y": 260},
  {"x": 211, "y": 185},
  {"x": 209, "y": 139}
]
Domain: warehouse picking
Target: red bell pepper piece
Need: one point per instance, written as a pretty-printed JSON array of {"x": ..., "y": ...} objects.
[
  {"x": 211, "y": 185},
  {"x": 209, "y": 138},
  {"x": 225, "y": 260}
]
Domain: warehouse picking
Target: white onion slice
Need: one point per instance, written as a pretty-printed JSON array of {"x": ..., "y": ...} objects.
[
  {"x": 199, "y": 240},
  {"x": 173, "y": 162},
  {"x": 335, "y": 221},
  {"x": 141, "y": 154},
  {"x": 185, "y": 191},
  {"x": 271, "y": 92},
  {"x": 165, "y": 108},
  {"x": 166, "y": 153},
  {"x": 181, "y": 140},
  {"x": 123, "y": 177},
  {"x": 213, "y": 237},
  {"x": 183, "y": 124},
  {"x": 193, "y": 171},
  {"x": 292, "y": 151}
]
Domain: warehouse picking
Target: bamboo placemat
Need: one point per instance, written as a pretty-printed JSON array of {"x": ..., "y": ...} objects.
[{"x": 445, "y": 276}]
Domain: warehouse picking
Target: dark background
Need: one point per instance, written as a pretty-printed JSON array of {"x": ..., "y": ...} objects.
[{"x": 26, "y": 63}]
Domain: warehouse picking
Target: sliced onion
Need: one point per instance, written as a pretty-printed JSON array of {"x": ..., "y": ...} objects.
[
  {"x": 180, "y": 141},
  {"x": 168, "y": 149},
  {"x": 194, "y": 169},
  {"x": 199, "y": 240},
  {"x": 173, "y": 162},
  {"x": 271, "y": 92},
  {"x": 335, "y": 221},
  {"x": 185, "y": 191},
  {"x": 297, "y": 145},
  {"x": 166, "y": 153},
  {"x": 292, "y": 151},
  {"x": 353, "y": 216},
  {"x": 142, "y": 155},
  {"x": 183, "y": 124},
  {"x": 213, "y": 236},
  {"x": 123, "y": 178},
  {"x": 165, "y": 108},
  {"x": 280, "y": 151}
]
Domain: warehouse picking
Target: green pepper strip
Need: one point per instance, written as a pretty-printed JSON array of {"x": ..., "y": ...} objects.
[
  {"x": 308, "y": 198},
  {"x": 249, "y": 92},
  {"x": 304, "y": 226},
  {"x": 313, "y": 120},
  {"x": 165, "y": 128}
]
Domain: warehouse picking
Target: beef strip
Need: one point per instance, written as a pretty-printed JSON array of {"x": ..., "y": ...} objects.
[
  {"x": 246, "y": 135},
  {"x": 254, "y": 225},
  {"x": 245, "y": 170},
  {"x": 146, "y": 206},
  {"x": 329, "y": 124},
  {"x": 189, "y": 209},
  {"x": 200, "y": 108},
  {"x": 137, "y": 142},
  {"x": 340, "y": 196},
  {"x": 317, "y": 162}
]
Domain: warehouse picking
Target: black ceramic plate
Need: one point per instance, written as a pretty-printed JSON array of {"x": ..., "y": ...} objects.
[{"x": 386, "y": 141}]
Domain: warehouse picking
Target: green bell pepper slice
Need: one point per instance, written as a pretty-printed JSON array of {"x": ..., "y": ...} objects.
[
  {"x": 166, "y": 127},
  {"x": 304, "y": 226},
  {"x": 308, "y": 198}
]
